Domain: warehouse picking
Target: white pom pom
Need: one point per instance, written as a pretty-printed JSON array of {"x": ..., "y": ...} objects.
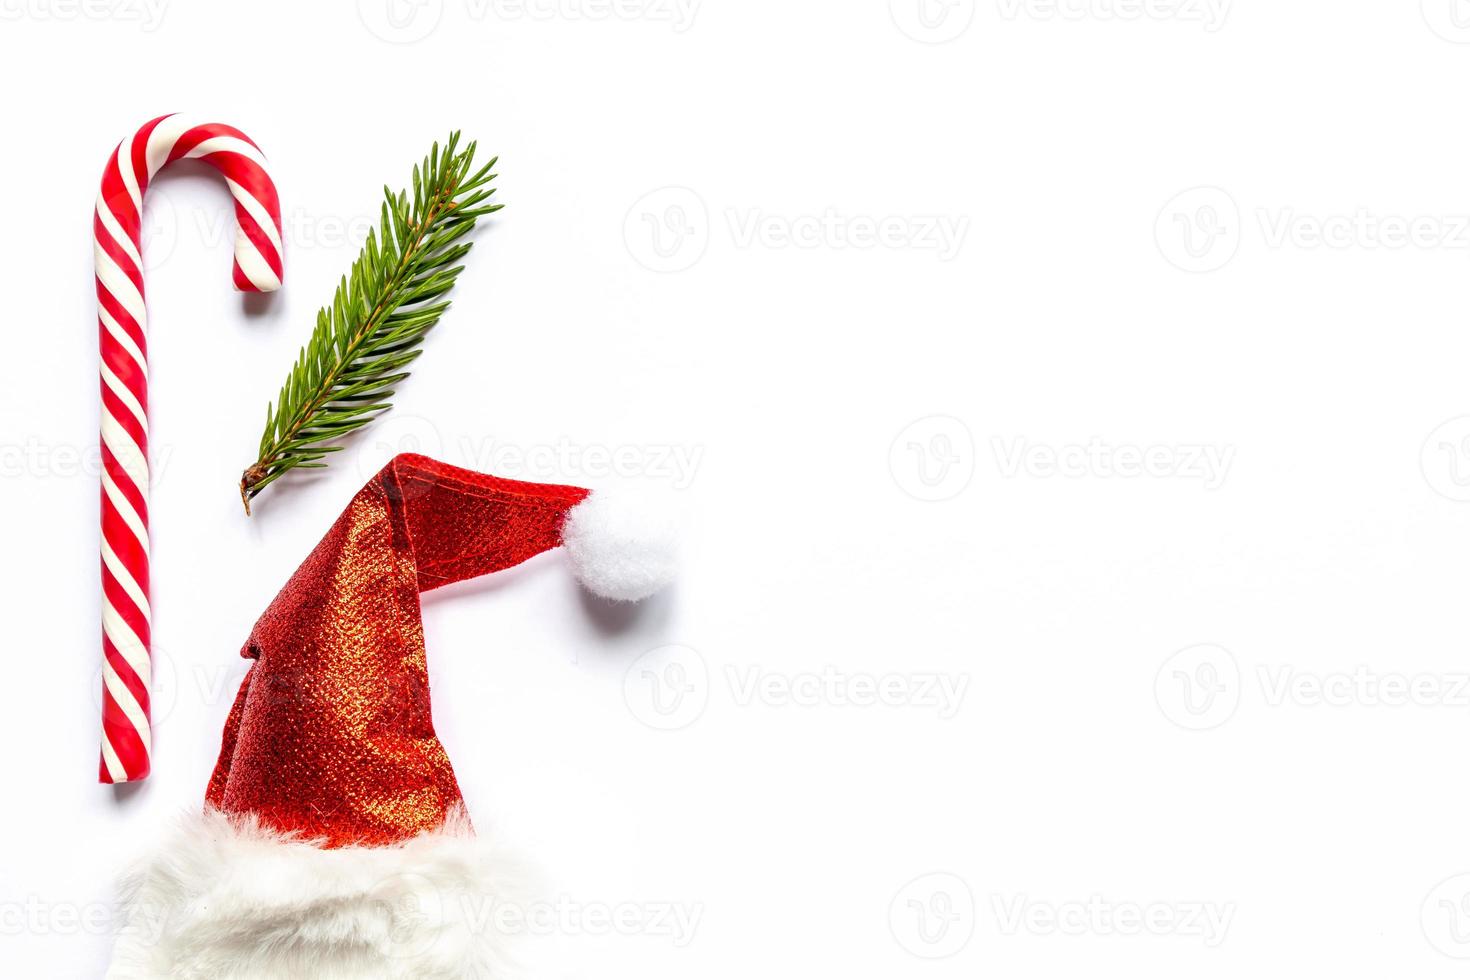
[{"x": 621, "y": 547}]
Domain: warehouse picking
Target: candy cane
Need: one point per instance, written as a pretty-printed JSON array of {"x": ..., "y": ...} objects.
[{"x": 122, "y": 326}]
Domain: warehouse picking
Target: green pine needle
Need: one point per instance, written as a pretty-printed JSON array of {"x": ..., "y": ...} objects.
[{"x": 375, "y": 326}]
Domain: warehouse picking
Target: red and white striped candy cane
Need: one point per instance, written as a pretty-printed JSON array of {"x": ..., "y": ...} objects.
[{"x": 122, "y": 324}]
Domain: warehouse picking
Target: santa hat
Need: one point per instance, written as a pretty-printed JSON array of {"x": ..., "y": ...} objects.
[{"x": 334, "y": 841}]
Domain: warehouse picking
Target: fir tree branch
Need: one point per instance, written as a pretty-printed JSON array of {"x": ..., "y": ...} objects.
[{"x": 364, "y": 341}]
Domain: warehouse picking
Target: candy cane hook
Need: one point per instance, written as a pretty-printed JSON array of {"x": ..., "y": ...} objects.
[{"x": 122, "y": 326}]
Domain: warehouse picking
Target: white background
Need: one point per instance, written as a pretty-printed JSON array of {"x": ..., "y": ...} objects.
[{"x": 1157, "y": 456}]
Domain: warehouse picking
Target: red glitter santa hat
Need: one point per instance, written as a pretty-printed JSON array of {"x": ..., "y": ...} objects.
[{"x": 334, "y": 841}]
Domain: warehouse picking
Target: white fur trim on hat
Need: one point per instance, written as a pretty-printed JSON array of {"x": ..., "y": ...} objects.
[
  {"x": 231, "y": 900},
  {"x": 620, "y": 546}
]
